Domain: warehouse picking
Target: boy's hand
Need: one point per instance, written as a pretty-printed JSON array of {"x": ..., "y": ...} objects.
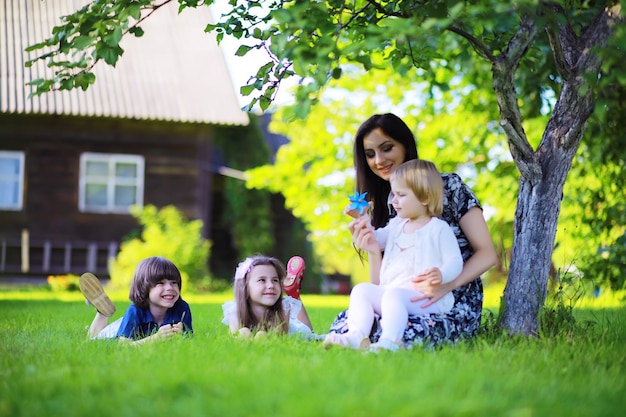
[
  {"x": 169, "y": 330},
  {"x": 178, "y": 327}
]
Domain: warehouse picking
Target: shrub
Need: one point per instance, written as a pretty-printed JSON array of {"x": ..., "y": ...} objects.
[
  {"x": 67, "y": 282},
  {"x": 167, "y": 233}
]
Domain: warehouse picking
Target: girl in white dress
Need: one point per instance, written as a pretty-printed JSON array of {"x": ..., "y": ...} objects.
[
  {"x": 415, "y": 243},
  {"x": 259, "y": 306}
]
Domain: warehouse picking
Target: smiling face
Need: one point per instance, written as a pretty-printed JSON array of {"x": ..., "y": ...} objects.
[
  {"x": 263, "y": 286},
  {"x": 164, "y": 294},
  {"x": 383, "y": 154}
]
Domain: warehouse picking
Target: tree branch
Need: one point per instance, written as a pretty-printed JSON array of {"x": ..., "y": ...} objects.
[
  {"x": 580, "y": 57},
  {"x": 476, "y": 44},
  {"x": 559, "y": 54},
  {"x": 503, "y": 69}
]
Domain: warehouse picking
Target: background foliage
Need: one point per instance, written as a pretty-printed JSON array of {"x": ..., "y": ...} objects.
[
  {"x": 256, "y": 218},
  {"x": 165, "y": 232},
  {"x": 435, "y": 69},
  {"x": 249, "y": 216}
]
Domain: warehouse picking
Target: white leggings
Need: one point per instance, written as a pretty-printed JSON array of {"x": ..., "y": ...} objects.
[{"x": 394, "y": 306}]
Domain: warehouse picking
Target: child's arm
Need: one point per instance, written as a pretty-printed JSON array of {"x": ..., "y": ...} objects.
[
  {"x": 235, "y": 328},
  {"x": 451, "y": 258},
  {"x": 233, "y": 322},
  {"x": 165, "y": 332}
]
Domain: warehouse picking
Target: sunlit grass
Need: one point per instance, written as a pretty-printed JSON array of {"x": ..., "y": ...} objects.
[
  {"x": 606, "y": 299},
  {"x": 49, "y": 368},
  {"x": 492, "y": 297}
]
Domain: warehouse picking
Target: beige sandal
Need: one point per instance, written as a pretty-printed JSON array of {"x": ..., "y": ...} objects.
[{"x": 94, "y": 293}]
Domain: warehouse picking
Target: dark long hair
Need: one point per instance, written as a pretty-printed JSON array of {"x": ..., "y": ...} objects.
[{"x": 377, "y": 188}]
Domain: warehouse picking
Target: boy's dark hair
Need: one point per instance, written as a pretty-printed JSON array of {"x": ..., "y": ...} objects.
[{"x": 148, "y": 274}]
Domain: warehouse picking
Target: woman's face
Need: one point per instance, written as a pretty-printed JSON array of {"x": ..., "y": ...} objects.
[{"x": 383, "y": 154}]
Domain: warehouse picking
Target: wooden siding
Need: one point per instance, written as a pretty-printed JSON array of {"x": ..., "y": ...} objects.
[{"x": 173, "y": 171}]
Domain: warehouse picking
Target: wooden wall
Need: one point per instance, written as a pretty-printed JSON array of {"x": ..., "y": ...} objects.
[{"x": 176, "y": 160}]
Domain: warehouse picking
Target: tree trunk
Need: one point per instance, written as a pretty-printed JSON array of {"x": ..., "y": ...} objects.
[
  {"x": 536, "y": 217},
  {"x": 537, "y": 213},
  {"x": 543, "y": 172}
]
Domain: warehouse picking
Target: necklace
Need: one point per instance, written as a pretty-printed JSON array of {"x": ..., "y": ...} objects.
[{"x": 405, "y": 241}]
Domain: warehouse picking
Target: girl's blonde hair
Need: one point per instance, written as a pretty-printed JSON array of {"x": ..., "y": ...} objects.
[
  {"x": 148, "y": 274},
  {"x": 423, "y": 178},
  {"x": 275, "y": 318}
]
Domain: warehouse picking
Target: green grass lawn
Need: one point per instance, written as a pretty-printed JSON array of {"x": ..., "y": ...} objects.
[{"x": 49, "y": 368}]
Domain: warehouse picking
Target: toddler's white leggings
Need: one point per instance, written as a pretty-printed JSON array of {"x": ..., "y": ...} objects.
[{"x": 392, "y": 304}]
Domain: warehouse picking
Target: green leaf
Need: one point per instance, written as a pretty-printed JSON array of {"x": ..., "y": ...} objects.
[
  {"x": 134, "y": 10},
  {"x": 137, "y": 31},
  {"x": 36, "y": 46},
  {"x": 84, "y": 80},
  {"x": 242, "y": 50},
  {"x": 246, "y": 90},
  {"x": 113, "y": 38},
  {"x": 264, "y": 102},
  {"x": 82, "y": 42},
  {"x": 67, "y": 84}
]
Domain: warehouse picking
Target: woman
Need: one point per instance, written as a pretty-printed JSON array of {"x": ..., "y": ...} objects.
[{"x": 382, "y": 143}]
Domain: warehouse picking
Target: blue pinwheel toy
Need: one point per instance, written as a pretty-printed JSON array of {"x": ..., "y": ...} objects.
[{"x": 358, "y": 202}]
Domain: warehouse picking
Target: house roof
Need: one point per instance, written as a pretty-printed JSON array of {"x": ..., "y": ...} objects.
[{"x": 174, "y": 72}]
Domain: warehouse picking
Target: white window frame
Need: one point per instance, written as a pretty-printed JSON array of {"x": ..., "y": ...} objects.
[
  {"x": 17, "y": 179},
  {"x": 111, "y": 181}
]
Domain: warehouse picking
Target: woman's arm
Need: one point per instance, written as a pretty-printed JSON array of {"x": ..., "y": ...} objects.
[{"x": 475, "y": 229}]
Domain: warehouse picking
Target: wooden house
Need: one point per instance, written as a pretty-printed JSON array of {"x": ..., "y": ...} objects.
[{"x": 72, "y": 163}]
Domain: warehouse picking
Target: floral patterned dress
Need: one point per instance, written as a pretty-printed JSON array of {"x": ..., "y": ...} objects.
[{"x": 464, "y": 319}]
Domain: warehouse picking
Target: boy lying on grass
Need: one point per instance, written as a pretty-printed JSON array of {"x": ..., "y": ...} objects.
[{"x": 157, "y": 311}]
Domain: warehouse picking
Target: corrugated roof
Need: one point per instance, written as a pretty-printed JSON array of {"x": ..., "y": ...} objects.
[{"x": 174, "y": 72}]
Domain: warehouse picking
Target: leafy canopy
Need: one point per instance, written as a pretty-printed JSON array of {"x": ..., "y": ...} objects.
[{"x": 436, "y": 52}]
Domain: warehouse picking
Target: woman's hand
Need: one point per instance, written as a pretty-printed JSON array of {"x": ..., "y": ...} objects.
[
  {"x": 433, "y": 275},
  {"x": 429, "y": 283},
  {"x": 363, "y": 236},
  {"x": 359, "y": 223},
  {"x": 354, "y": 213}
]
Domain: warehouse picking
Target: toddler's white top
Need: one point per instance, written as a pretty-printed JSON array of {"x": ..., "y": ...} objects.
[{"x": 410, "y": 254}]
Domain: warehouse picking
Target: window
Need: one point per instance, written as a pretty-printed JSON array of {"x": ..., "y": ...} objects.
[
  {"x": 11, "y": 180},
  {"x": 110, "y": 183}
]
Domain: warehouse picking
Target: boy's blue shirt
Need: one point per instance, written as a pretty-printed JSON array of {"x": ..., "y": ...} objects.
[{"x": 138, "y": 323}]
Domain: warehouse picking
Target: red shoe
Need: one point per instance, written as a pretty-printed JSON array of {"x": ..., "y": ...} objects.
[{"x": 293, "y": 280}]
